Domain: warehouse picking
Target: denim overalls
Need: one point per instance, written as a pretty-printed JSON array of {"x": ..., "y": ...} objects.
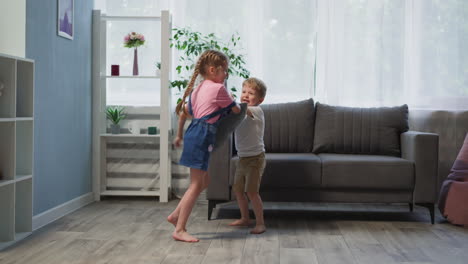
[{"x": 200, "y": 138}]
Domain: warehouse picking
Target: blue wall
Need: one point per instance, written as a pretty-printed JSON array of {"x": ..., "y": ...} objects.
[{"x": 62, "y": 136}]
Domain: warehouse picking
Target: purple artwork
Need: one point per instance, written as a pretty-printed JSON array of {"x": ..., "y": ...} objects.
[{"x": 65, "y": 18}]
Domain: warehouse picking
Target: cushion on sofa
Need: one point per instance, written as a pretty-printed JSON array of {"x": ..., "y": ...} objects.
[
  {"x": 366, "y": 172},
  {"x": 352, "y": 130},
  {"x": 289, "y": 127},
  {"x": 294, "y": 170}
]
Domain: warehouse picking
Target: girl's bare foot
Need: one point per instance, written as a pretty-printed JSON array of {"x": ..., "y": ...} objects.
[
  {"x": 172, "y": 219},
  {"x": 184, "y": 237},
  {"x": 242, "y": 222},
  {"x": 258, "y": 229}
]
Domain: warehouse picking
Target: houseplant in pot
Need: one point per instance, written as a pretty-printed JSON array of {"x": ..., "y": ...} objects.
[
  {"x": 115, "y": 114},
  {"x": 190, "y": 44}
]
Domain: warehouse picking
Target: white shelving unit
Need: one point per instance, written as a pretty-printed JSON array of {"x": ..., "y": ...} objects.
[
  {"x": 100, "y": 82},
  {"x": 16, "y": 145}
]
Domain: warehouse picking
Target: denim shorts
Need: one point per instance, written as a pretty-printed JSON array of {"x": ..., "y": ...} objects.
[{"x": 198, "y": 143}]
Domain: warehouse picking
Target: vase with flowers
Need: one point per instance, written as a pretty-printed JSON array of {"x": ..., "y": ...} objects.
[{"x": 134, "y": 40}]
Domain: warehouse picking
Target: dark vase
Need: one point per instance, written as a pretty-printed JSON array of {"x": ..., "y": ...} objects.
[{"x": 135, "y": 62}]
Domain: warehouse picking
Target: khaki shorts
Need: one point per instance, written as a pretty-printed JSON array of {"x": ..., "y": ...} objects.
[{"x": 249, "y": 173}]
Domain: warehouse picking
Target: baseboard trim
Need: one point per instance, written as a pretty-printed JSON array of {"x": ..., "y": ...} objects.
[{"x": 57, "y": 212}]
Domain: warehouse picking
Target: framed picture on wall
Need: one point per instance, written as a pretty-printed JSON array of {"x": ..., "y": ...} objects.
[{"x": 65, "y": 18}]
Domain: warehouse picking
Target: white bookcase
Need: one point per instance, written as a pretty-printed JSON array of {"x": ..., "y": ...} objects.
[
  {"x": 102, "y": 78},
  {"x": 16, "y": 145}
]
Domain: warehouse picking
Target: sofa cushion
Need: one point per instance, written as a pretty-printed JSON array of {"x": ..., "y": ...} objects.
[
  {"x": 366, "y": 172},
  {"x": 289, "y": 127},
  {"x": 349, "y": 130},
  {"x": 295, "y": 170}
]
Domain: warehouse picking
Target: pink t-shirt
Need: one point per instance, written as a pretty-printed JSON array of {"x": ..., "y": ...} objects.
[{"x": 209, "y": 97}]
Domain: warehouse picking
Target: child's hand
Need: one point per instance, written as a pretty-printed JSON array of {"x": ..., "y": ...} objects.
[
  {"x": 178, "y": 142},
  {"x": 236, "y": 109}
]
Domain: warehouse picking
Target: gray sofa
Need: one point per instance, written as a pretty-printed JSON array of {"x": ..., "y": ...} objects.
[{"x": 323, "y": 153}]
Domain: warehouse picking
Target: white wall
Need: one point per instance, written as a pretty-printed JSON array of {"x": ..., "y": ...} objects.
[{"x": 13, "y": 27}]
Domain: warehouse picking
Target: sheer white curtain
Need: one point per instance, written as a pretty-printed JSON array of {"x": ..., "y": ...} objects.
[
  {"x": 277, "y": 37},
  {"x": 390, "y": 52},
  {"x": 440, "y": 54},
  {"x": 360, "y": 52},
  {"x": 342, "y": 52}
]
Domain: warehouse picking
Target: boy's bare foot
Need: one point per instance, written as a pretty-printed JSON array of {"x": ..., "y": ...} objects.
[
  {"x": 173, "y": 220},
  {"x": 242, "y": 222},
  {"x": 258, "y": 229},
  {"x": 184, "y": 237}
]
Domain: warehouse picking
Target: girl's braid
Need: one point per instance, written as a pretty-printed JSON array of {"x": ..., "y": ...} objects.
[{"x": 180, "y": 106}]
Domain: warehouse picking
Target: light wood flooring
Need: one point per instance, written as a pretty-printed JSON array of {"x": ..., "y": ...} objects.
[{"x": 134, "y": 231}]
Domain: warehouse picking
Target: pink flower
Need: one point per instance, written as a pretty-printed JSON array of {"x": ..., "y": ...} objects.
[{"x": 133, "y": 40}]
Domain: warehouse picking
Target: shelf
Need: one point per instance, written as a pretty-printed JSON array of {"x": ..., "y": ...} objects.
[
  {"x": 16, "y": 119},
  {"x": 7, "y": 208},
  {"x": 23, "y": 206},
  {"x": 24, "y": 119},
  {"x": 6, "y": 182},
  {"x": 130, "y": 193},
  {"x": 8, "y": 78},
  {"x": 131, "y": 18},
  {"x": 131, "y": 77},
  {"x": 23, "y": 177},
  {"x": 130, "y": 135},
  {"x": 148, "y": 90},
  {"x": 24, "y": 148},
  {"x": 24, "y": 88},
  {"x": 7, "y": 153},
  {"x": 16, "y": 149}
]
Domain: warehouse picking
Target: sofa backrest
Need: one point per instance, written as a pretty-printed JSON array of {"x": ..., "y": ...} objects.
[
  {"x": 353, "y": 130},
  {"x": 289, "y": 127}
]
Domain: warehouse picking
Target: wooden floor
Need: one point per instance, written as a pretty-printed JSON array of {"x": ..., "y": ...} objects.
[{"x": 135, "y": 231}]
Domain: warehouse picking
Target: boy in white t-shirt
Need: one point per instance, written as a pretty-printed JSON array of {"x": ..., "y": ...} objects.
[{"x": 251, "y": 152}]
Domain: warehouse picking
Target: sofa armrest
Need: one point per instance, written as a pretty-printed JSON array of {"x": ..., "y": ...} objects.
[
  {"x": 218, "y": 171},
  {"x": 423, "y": 149}
]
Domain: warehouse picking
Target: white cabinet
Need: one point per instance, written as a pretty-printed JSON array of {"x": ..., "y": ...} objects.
[
  {"x": 158, "y": 89},
  {"x": 16, "y": 145}
]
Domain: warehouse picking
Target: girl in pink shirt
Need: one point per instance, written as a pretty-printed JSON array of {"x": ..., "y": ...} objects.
[{"x": 205, "y": 105}]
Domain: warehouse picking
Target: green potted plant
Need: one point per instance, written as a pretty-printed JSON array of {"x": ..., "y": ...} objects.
[
  {"x": 115, "y": 114},
  {"x": 191, "y": 44}
]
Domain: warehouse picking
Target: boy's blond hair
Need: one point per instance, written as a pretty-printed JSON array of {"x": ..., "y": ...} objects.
[{"x": 256, "y": 84}]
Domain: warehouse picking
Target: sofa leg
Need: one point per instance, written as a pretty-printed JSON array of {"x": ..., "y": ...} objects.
[
  {"x": 410, "y": 207},
  {"x": 431, "y": 208},
  {"x": 211, "y": 205}
]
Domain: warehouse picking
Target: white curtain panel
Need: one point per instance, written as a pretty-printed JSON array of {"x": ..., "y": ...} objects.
[
  {"x": 360, "y": 54},
  {"x": 390, "y": 52},
  {"x": 277, "y": 37},
  {"x": 342, "y": 52}
]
